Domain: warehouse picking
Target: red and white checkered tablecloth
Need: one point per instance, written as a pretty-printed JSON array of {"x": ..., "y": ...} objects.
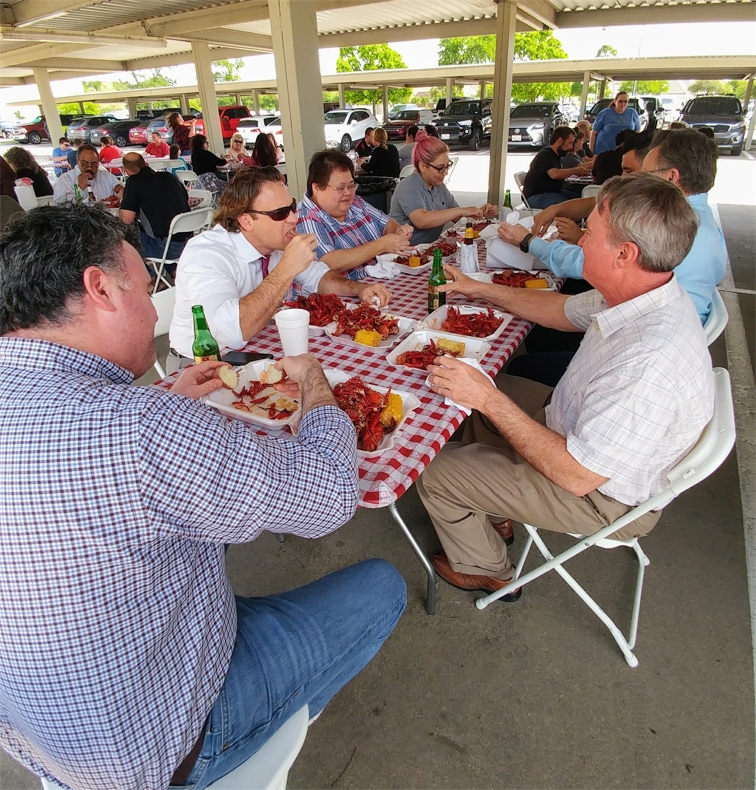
[{"x": 385, "y": 477}]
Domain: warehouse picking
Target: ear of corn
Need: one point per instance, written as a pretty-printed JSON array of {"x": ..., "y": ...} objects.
[
  {"x": 392, "y": 411},
  {"x": 539, "y": 283},
  {"x": 451, "y": 345},
  {"x": 367, "y": 337}
]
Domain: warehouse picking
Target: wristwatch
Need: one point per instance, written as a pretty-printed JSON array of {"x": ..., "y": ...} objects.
[{"x": 525, "y": 243}]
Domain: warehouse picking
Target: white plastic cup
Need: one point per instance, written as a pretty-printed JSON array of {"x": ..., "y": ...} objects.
[{"x": 294, "y": 329}]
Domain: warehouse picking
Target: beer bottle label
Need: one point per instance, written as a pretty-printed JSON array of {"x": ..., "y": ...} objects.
[
  {"x": 433, "y": 299},
  {"x": 208, "y": 358}
]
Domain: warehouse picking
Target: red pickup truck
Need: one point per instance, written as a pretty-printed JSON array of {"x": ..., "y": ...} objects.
[{"x": 229, "y": 120}]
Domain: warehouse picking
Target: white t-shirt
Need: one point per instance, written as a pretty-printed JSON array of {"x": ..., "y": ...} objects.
[{"x": 216, "y": 269}]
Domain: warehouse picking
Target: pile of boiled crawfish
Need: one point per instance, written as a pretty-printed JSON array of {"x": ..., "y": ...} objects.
[
  {"x": 350, "y": 322},
  {"x": 363, "y": 406},
  {"x": 323, "y": 309},
  {"x": 424, "y": 356},
  {"x": 447, "y": 248},
  {"x": 513, "y": 278},
  {"x": 479, "y": 324},
  {"x": 250, "y": 400},
  {"x": 477, "y": 226}
]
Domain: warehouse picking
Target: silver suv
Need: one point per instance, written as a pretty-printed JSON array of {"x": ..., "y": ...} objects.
[{"x": 723, "y": 115}]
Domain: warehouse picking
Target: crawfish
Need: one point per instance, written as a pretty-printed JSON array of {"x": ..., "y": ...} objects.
[
  {"x": 479, "y": 324},
  {"x": 364, "y": 316},
  {"x": 323, "y": 308},
  {"x": 363, "y": 406},
  {"x": 422, "y": 357}
]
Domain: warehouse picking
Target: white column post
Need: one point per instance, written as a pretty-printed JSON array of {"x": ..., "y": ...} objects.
[
  {"x": 448, "y": 91},
  {"x": 132, "y": 105},
  {"x": 602, "y": 89},
  {"x": 483, "y": 89},
  {"x": 294, "y": 28},
  {"x": 385, "y": 104},
  {"x": 81, "y": 107},
  {"x": 203, "y": 67},
  {"x": 506, "y": 23},
  {"x": 749, "y": 135},
  {"x": 49, "y": 107},
  {"x": 341, "y": 95},
  {"x": 184, "y": 104},
  {"x": 584, "y": 94},
  {"x": 749, "y": 91},
  {"x": 238, "y": 98},
  {"x": 256, "y": 101}
]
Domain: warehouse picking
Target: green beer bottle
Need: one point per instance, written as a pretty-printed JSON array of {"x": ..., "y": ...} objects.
[
  {"x": 205, "y": 346},
  {"x": 435, "y": 298},
  {"x": 508, "y": 199}
]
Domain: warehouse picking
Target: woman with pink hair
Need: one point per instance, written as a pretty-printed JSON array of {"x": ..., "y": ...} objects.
[{"x": 423, "y": 201}]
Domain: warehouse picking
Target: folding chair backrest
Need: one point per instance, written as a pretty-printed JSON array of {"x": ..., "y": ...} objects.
[
  {"x": 714, "y": 444},
  {"x": 26, "y": 197},
  {"x": 186, "y": 176},
  {"x": 717, "y": 320},
  {"x": 205, "y": 194},
  {"x": 161, "y": 163},
  {"x": 407, "y": 170},
  {"x": 520, "y": 181},
  {"x": 591, "y": 190},
  {"x": 192, "y": 221},
  {"x": 172, "y": 164},
  {"x": 453, "y": 160},
  {"x": 165, "y": 302}
]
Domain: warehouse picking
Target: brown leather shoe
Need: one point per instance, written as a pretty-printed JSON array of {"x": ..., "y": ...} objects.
[
  {"x": 505, "y": 529},
  {"x": 468, "y": 581}
]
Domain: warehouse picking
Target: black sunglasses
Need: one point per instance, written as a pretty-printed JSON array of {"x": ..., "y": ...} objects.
[{"x": 278, "y": 214}]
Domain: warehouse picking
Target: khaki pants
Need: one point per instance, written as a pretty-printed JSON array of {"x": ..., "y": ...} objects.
[{"x": 484, "y": 476}]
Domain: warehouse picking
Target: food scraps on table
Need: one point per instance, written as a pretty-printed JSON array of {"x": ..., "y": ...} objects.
[
  {"x": 365, "y": 317},
  {"x": 447, "y": 248},
  {"x": 426, "y": 355},
  {"x": 515, "y": 279},
  {"x": 478, "y": 324},
  {"x": 260, "y": 399},
  {"x": 373, "y": 414},
  {"x": 323, "y": 308}
]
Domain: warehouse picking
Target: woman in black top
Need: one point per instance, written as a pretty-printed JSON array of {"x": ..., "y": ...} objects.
[
  {"x": 26, "y": 166},
  {"x": 203, "y": 160},
  {"x": 384, "y": 161}
]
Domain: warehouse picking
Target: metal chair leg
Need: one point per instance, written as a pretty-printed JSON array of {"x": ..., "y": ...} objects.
[
  {"x": 280, "y": 537},
  {"x": 430, "y": 599}
]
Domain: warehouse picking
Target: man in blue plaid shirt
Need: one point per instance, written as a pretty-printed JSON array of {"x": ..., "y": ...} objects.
[{"x": 126, "y": 661}]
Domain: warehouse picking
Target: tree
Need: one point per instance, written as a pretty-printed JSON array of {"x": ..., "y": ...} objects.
[
  {"x": 537, "y": 45},
  {"x": 371, "y": 57},
  {"x": 736, "y": 87},
  {"x": 706, "y": 87},
  {"x": 228, "y": 70},
  {"x": 93, "y": 86},
  {"x": 138, "y": 80},
  {"x": 605, "y": 51},
  {"x": 650, "y": 87}
]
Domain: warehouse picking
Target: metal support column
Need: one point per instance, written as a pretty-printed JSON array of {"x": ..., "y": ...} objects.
[
  {"x": 385, "y": 104},
  {"x": 341, "y": 95},
  {"x": 584, "y": 94},
  {"x": 749, "y": 91},
  {"x": 294, "y": 29},
  {"x": 506, "y": 23},
  {"x": 483, "y": 85},
  {"x": 749, "y": 135},
  {"x": 184, "y": 104},
  {"x": 49, "y": 107},
  {"x": 206, "y": 84},
  {"x": 132, "y": 105},
  {"x": 602, "y": 90},
  {"x": 449, "y": 96},
  {"x": 256, "y": 102}
]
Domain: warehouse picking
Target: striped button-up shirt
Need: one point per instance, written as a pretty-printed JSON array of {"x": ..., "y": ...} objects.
[
  {"x": 117, "y": 619},
  {"x": 102, "y": 185},
  {"x": 363, "y": 223},
  {"x": 638, "y": 392}
]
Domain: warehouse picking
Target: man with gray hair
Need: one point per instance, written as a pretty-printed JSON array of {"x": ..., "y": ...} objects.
[{"x": 634, "y": 399}]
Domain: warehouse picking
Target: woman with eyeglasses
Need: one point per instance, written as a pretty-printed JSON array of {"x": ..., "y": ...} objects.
[
  {"x": 350, "y": 232},
  {"x": 611, "y": 121},
  {"x": 236, "y": 152},
  {"x": 423, "y": 200}
]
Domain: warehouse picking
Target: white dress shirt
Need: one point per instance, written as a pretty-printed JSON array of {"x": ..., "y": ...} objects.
[
  {"x": 216, "y": 269},
  {"x": 638, "y": 392},
  {"x": 103, "y": 185}
]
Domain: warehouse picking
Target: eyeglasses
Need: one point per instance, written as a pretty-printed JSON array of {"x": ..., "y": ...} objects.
[
  {"x": 441, "y": 169},
  {"x": 621, "y": 101},
  {"x": 278, "y": 214},
  {"x": 344, "y": 188}
]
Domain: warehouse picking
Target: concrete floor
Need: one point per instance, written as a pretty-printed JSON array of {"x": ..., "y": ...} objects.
[{"x": 536, "y": 694}]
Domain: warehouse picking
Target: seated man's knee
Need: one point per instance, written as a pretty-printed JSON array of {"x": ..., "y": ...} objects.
[{"x": 385, "y": 577}]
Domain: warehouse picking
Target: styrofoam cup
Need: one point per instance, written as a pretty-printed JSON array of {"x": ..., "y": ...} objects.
[{"x": 293, "y": 327}]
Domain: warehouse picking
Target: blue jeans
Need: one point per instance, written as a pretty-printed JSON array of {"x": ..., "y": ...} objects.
[
  {"x": 153, "y": 248},
  {"x": 546, "y": 199},
  {"x": 292, "y": 649}
]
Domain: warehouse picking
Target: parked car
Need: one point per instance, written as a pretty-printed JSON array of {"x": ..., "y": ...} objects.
[
  {"x": 118, "y": 130},
  {"x": 36, "y": 131},
  {"x": 250, "y": 127},
  {"x": 723, "y": 114},
  {"x": 399, "y": 108},
  {"x": 138, "y": 133},
  {"x": 83, "y": 127},
  {"x": 438, "y": 110},
  {"x": 633, "y": 102},
  {"x": 531, "y": 124},
  {"x": 466, "y": 122},
  {"x": 229, "y": 120},
  {"x": 344, "y": 128},
  {"x": 396, "y": 129}
]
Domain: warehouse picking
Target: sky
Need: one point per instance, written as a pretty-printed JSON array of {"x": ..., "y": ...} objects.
[{"x": 637, "y": 41}]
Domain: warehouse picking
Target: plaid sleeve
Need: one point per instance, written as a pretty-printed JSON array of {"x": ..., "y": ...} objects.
[
  {"x": 309, "y": 224},
  {"x": 378, "y": 219}
]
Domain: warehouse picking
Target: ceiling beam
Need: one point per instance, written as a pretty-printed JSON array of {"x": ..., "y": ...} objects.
[
  {"x": 85, "y": 39},
  {"x": 541, "y": 10},
  {"x": 77, "y": 64},
  {"x": 232, "y": 38},
  {"x": 181, "y": 58},
  {"x": 28, "y": 12},
  {"x": 191, "y": 21},
  {"x": 658, "y": 15},
  {"x": 8, "y": 81},
  {"x": 23, "y": 55}
]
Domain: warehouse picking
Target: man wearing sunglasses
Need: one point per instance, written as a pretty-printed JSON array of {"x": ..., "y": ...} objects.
[
  {"x": 248, "y": 263},
  {"x": 60, "y": 157}
]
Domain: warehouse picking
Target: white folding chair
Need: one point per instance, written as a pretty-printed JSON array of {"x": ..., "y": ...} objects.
[
  {"x": 266, "y": 769},
  {"x": 165, "y": 303},
  {"x": 520, "y": 181},
  {"x": 191, "y": 222},
  {"x": 453, "y": 160},
  {"x": 407, "y": 170},
  {"x": 46, "y": 200},
  {"x": 186, "y": 176},
  {"x": 174, "y": 164},
  {"x": 590, "y": 190},
  {"x": 161, "y": 163},
  {"x": 26, "y": 197},
  {"x": 717, "y": 320},
  {"x": 711, "y": 449},
  {"x": 205, "y": 194}
]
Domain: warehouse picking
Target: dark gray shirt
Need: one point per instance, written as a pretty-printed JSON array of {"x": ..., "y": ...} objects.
[{"x": 413, "y": 193}]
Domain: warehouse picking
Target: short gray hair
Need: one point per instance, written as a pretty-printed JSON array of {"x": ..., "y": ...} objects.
[{"x": 653, "y": 214}]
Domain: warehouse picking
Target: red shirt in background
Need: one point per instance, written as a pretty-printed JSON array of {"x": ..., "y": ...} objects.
[
  {"x": 158, "y": 149},
  {"x": 108, "y": 154}
]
